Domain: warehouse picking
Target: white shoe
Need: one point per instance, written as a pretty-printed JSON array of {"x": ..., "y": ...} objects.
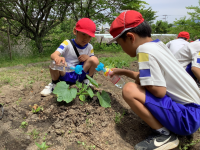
[
  {"x": 48, "y": 89},
  {"x": 87, "y": 82}
]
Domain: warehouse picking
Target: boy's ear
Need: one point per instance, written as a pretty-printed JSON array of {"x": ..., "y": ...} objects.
[
  {"x": 131, "y": 36},
  {"x": 74, "y": 31}
]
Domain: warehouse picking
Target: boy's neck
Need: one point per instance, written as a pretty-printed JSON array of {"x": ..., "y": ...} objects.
[
  {"x": 142, "y": 40},
  {"x": 78, "y": 45}
]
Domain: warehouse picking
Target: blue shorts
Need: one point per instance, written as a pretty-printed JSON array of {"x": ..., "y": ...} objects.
[
  {"x": 72, "y": 77},
  {"x": 178, "y": 118}
]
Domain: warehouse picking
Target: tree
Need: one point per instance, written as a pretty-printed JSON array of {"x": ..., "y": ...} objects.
[
  {"x": 148, "y": 14},
  {"x": 33, "y": 18},
  {"x": 101, "y": 11},
  {"x": 161, "y": 27},
  {"x": 191, "y": 25}
]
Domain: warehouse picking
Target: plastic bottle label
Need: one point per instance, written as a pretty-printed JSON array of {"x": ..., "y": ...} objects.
[{"x": 114, "y": 79}]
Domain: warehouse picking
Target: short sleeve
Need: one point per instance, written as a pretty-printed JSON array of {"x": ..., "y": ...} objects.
[
  {"x": 196, "y": 60},
  {"x": 91, "y": 51},
  {"x": 63, "y": 47},
  {"x": 150, "y": 71}
]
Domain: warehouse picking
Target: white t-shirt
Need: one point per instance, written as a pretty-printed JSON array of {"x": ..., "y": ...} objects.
[
  {"x": 66, "y": 49},
  {"x": 176, "y": 44},
  {"x": 189, "y": 54},
  {"x": 159, "y": 67}
]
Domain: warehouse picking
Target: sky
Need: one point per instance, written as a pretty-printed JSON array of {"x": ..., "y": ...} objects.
[{"x": 174, "y": 9}]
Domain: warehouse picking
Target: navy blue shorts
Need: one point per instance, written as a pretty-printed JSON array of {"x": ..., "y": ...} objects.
[
  {"x": 72, "y": 77},
  {"x": 178, "y": 118}
]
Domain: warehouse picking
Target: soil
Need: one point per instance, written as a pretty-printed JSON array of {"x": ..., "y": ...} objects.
[{"x": 74, "y": 126}]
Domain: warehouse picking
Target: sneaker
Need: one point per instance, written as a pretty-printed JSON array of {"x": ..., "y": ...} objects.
[
  {"x": 48, "y": 89},
  {"x": 158, "y": 141},
  {"x": 87, "y": 82}
]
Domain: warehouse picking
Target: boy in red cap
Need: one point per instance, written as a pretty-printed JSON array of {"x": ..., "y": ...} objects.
[
  {"x": 163, "y": 95},
  {"x": 84, "y": 31},
  {"x": 177, "y": 44}
]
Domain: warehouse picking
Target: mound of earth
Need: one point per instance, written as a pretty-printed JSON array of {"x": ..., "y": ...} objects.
[{"x": 74, "y": 126}]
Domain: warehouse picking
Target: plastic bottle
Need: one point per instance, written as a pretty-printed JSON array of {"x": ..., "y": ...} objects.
[
  {"x": 66, "y": 67},
  {"x": 61, "y": 67},
  {"x": 116, "y": 80}
]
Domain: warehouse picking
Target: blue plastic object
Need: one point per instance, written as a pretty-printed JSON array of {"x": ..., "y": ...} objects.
[
  {"x": 78, "y": 69},
  {"x": 100, "y": 67}
]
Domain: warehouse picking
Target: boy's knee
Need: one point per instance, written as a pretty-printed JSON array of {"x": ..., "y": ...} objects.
[
  {"x": 129, "y": 88},
  {"x": 94, "y": 60}
]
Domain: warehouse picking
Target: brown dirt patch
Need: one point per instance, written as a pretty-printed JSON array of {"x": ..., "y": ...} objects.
[{"x": 73, "y": 126}]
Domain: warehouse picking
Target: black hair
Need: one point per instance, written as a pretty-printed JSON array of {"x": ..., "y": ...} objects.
[
  {"x": 182, "y": 38},
  {"x": 143, "y": 30}
]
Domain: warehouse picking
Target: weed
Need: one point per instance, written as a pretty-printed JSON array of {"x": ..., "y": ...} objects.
[
  {"x": 187, "y": 146},
  {"x": 43, "y": 146},
  {"x": 87, "y": 121},
  {"x": 23, "y": 124},
  {"x": 34, "y": 133},
  {"x": 45, "y": 136},
  {"x": 82, "y": 143},
  {"x": 69, "y": 132},
  {"x": 36, "y": 108},
  {"x": 19, "y": 100},
  {"x": 118, "y": 117},
  {"x": 92, "y": 147}
]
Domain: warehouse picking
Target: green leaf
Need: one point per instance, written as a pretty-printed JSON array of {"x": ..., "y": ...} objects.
[
  {"x": 64, "y": 93},
  {"x": 40, "y": 146},
  {"x": 104, "y": 99},
  {"x": 82, "y": 97},
  {"x": 90, "y": 92},
  {"x": 79, "y": 85},
  {"x": 85, "y": 87},
  {"x": 92, "y": 80}
]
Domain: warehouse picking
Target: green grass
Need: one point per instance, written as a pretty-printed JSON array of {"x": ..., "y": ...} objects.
[
  {"x": 23, "y": 61},
  {"x": 118, "y": 59}
]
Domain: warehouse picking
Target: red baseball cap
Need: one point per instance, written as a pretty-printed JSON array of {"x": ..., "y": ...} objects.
[
  {"x": 87, "y": 26},
  {"x": 125, "y": 21},
  {"x": 184, "y": 34}
]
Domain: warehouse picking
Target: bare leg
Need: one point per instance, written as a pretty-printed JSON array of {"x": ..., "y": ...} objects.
[
  {"x": 55, "y": 74},
  {"x": 90, "y": 65},
  {"x": 134, "y": 95}
]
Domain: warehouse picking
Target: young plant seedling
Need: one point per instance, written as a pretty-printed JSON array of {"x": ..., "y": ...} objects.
[
  {"x": 23, "y": 124},
  {"x": 19, "y": 100},
  {"x": 118, "y": 117},
  {"x": 43, "y": 146},
  {"x": 34, "y": 133},
  {"x": 36, "y": 108},
  {"x": 64, "y": 93}
]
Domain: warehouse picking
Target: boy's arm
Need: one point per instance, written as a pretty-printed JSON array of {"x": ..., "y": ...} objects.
[
  {"x": 157, "y": 91},
  {"x": 196, "y": 72},
  {"x": 56, "y": 56},
  {"x": 131, "y": 74}
]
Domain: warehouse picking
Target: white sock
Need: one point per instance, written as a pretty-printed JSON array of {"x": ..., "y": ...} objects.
[{"x": 164, "y": 131}]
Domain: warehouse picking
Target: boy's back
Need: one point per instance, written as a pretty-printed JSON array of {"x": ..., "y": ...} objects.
[
  {"x": 155, "y": 56},
  {"x": 176, "y": 45}
]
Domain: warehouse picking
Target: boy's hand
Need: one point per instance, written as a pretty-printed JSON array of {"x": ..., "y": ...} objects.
[
  {"x": 116, "y": 71},
  {"x": 83, "y": 58},
  {"x": 59, "y": 60}
]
